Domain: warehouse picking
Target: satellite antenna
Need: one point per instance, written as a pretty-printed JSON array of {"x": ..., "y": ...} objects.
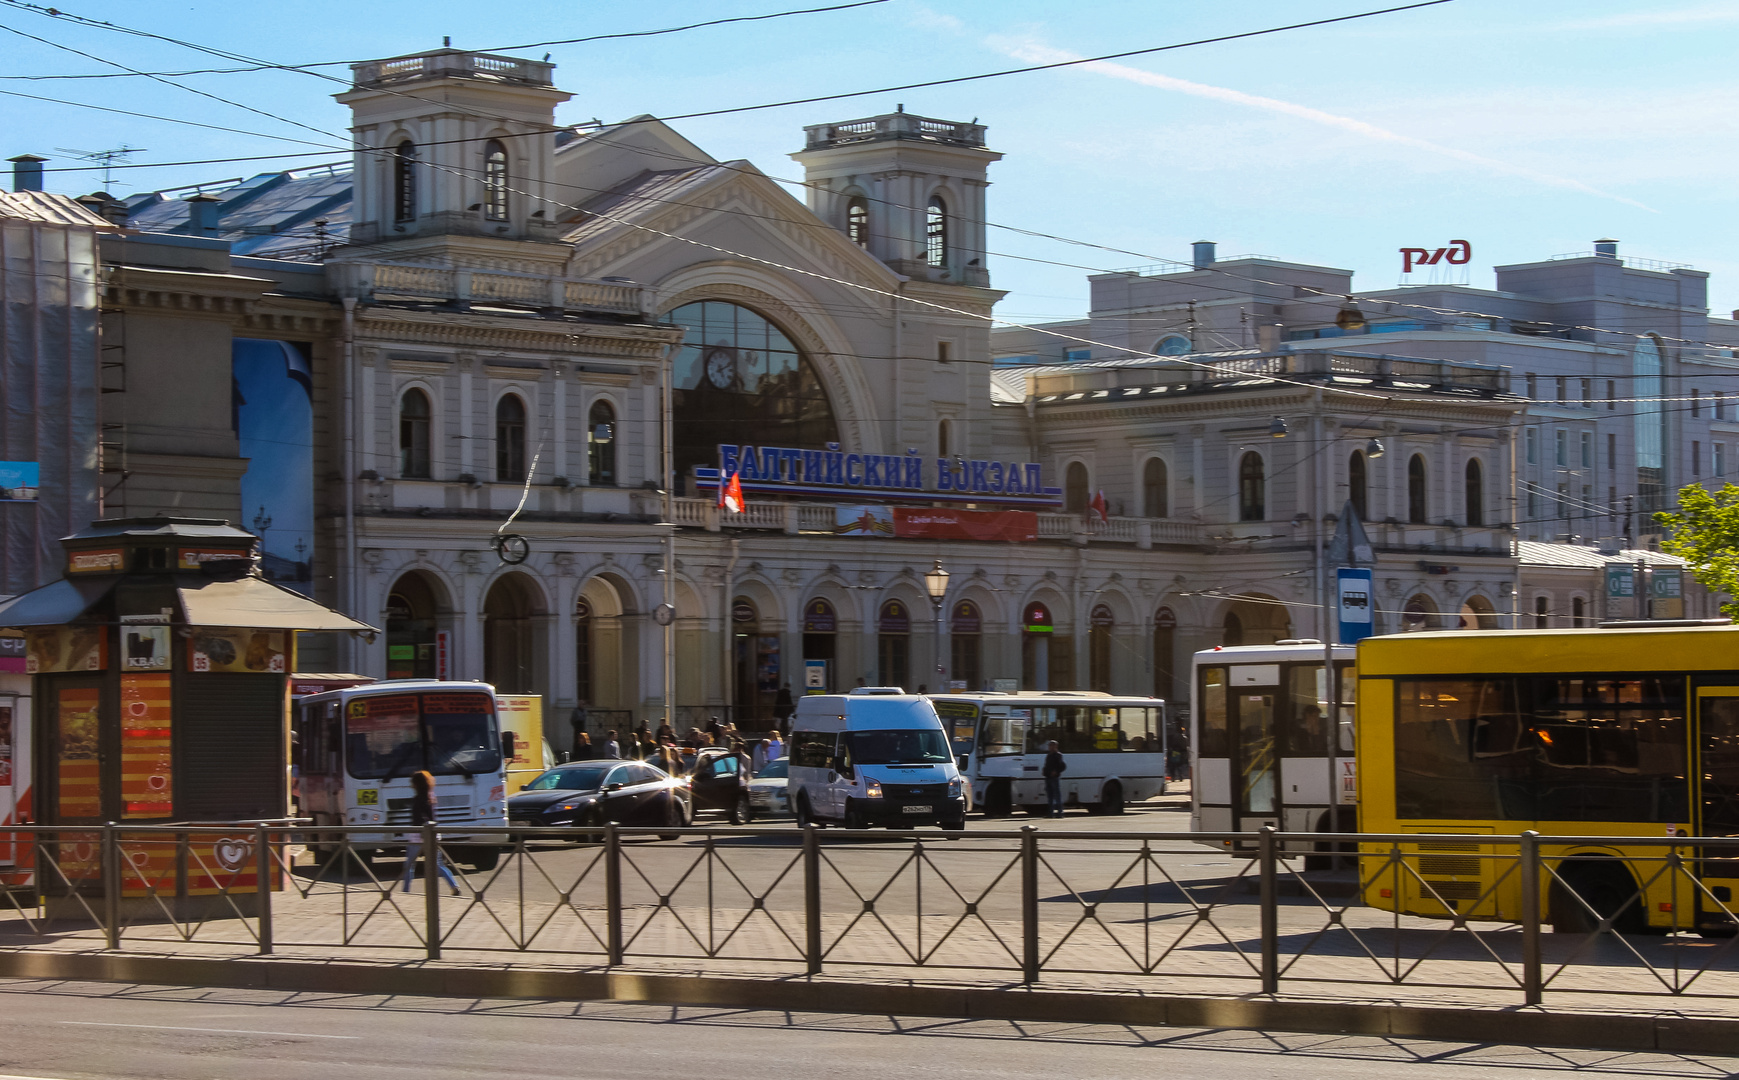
[{"x": 108, "y": 159}]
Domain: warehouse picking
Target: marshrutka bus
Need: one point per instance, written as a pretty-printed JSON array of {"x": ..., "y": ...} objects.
[
  {"x": 1114, "y": 747},
  {"x": 360, "y": 745},
  {"x": 1619, "y": 730},
  {"x": 1267, "y": 747}
]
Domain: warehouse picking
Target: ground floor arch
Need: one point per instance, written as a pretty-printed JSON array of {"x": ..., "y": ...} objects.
[
  {"x": 1254, "y": 619},
  {"x": 416, "y": 612},
  {"x": 514, "y": 634}
]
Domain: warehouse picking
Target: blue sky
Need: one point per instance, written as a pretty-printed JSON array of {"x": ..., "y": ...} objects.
[{"x": 1528, "y": 129}]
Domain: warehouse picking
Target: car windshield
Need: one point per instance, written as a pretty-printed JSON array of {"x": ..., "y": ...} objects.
[
  {"x": 775, "y": 770},
  {"x": 899, "y": 746},
  {"x": 586, "y": 778}
]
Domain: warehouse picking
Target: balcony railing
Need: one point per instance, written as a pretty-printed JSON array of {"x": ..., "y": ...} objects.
[
  {"x": 901, "y": 125},
  {"x": 811, "y": 518},
  {"x": 448, "y": 63},
  {"x": 400, "y": 281}
]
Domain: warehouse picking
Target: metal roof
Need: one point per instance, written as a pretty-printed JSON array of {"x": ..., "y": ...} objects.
[
  {"x": 50, "y": 209},
  {"x": 647, "y": 192},
  {"x": 271, "y": 216},
  {"x": 1537, "y": 553}
]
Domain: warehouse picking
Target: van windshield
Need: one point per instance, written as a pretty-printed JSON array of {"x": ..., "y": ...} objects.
[{"x": 899, "y": 746}]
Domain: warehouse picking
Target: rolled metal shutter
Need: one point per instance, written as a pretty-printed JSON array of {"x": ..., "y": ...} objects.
[{"x": 230, "y": 735}]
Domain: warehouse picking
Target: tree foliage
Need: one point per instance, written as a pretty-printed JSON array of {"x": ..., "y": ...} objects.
[{"x": 1704, "y": 531}]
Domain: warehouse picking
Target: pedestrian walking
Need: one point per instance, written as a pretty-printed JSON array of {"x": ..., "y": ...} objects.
[
  {"x": 423, "y": 813},
  {"x": 1053, "y": 771},
  {"x": 577, "y": 720},
  {"x": 666, "y": 733},
  {"x": 583, "y": 748},
  {"x": 612, "y": 749}
]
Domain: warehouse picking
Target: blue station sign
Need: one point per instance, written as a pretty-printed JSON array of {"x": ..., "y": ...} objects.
[{"x": 833, "y": 472}]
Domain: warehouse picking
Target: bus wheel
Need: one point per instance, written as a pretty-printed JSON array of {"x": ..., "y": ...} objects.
[
  {"x": 1604, "y": 885},
  {"x": 1111, "y": 798},
  {"x": 998, "y": 800},
  {"x": 483, "y": 857}
]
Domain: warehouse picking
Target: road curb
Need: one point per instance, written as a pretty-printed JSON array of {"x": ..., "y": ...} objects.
[{"x": 1520, "y": 1026}]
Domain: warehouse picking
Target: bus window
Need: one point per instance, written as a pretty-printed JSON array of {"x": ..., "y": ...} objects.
[
  {"x": 1610, "y": 749},
  {"x": 960, "y": 718},
  {"x": 1256, "y": 751},
  {"x": 1211, "y": 739},
  {"x": 460, "y": 732},
  {"x": 1106, "y": 734},
  {"x": 1140, "y": 729},
  {"x": 1304, "y": 730},
  {"x": 383, "y": 737},
  {"x": 1004, "y": 730},
  {"x": 1344, "y": 712}
]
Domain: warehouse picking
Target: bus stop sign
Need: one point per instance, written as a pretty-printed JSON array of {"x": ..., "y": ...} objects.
[{"x": 1353, "y": 587}]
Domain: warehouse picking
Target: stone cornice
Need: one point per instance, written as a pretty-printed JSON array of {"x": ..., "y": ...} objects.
[{"x": 388, "y": 326}]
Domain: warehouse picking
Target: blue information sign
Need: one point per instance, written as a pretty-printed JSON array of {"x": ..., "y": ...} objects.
[{"x": 1353, "y": 592}]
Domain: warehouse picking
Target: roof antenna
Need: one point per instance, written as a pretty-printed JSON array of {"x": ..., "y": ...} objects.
[{"x": 446, "y": 43}]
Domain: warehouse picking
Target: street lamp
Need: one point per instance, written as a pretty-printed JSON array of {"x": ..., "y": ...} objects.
[{"x": 936, "y": 584}]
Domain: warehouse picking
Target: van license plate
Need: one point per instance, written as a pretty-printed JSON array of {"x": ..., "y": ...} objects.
[{"x": 916, "y": 809}]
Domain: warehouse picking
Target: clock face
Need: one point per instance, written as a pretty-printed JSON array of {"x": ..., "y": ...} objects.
[{"x": 721, "y": 368}]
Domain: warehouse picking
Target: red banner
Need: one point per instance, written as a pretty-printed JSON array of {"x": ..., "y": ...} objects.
[{"x": 930, "y": 523}]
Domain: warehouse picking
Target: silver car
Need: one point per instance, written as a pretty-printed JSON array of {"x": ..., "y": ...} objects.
[{"x": 767, "y": 789}]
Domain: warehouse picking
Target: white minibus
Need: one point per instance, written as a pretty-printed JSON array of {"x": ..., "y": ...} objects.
[{"x": 875, "y": 756}]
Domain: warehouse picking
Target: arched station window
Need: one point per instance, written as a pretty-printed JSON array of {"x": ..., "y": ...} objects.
[
  {"x": 936, "y": 232},
  {"x": 1154, "y": 484},
  {"x": 894, "y": 645},
  {"x": 414, "y": 435},
  {"x": 1075, "y": 488},
  {"x": 1416, "y": 508},
  {"x": 495, "y": 180},
  {"x": 601, "y": 445},
  {"x": 857, "y": 221},
  {"x": 1475, "y": 476},
  {"x": 404, "y": 182},
  {"x": 1252, "y": 488},
  {"x": 966, "y": 638},
  {"x": 1101, "y": 625},
  {"x": 1358, "y": 485},
  {"x": 510, "y": 440}
]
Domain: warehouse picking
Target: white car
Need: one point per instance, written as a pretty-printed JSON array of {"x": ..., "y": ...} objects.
[{"x": 767, "y": 789}]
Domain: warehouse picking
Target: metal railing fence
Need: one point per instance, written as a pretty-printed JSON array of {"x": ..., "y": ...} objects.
[{"x": 1001, "y": 905}]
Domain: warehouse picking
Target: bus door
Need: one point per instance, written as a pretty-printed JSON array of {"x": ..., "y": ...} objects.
[
  {"x": 1718, "y": 794},
  {"x": 1254, "y": 697}
]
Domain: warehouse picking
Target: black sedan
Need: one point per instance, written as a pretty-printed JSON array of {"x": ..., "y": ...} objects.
[{"x": 591, "y": 794}]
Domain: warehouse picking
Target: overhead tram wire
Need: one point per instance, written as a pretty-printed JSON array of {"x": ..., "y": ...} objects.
[{"x": 263, "y": 66}]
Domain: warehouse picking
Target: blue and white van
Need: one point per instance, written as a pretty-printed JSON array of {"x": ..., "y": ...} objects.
[{"x": 875, "y": 756}]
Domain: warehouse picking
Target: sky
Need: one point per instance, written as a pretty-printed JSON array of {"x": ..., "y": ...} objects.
[{"x": 1528, "y": 129}]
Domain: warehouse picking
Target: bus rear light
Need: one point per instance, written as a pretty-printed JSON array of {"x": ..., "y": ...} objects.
[
  {"x": 1386, "y": 894},
  {"x": 1666, "y": 907}
]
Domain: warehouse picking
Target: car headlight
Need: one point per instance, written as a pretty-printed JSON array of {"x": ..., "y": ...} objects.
[
  {"x": 954, "y": 788},
  {"x": 872, "y": 789}
]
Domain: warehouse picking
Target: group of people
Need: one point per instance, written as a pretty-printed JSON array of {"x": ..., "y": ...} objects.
[{"x": 663, "y": 749}]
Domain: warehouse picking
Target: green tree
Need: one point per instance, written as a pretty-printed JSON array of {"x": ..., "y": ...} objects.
[{"x": 1704, "y": 531}]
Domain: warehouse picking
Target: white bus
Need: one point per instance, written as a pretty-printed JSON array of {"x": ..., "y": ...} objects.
[
  {"x": 1262, "y": 751},
  {"x": 359, "y": 746},
  {"x": 1114, "y": 746}
]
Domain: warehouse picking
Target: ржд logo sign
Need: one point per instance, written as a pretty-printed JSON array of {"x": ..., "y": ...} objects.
[{"x": 1457, "y": 253}]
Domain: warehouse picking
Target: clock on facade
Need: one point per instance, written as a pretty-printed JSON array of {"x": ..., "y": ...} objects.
[{"x": 721, "y": 367}]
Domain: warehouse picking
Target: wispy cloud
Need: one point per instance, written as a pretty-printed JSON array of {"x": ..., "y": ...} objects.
[
  {"x": 1643, "y": 20},
  {"x": 1038, "y": 53}
]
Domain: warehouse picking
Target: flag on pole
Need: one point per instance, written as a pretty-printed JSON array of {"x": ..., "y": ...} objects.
[
  {"x": 1100, "y": 506},
  {"x": 731, "y": 494}
]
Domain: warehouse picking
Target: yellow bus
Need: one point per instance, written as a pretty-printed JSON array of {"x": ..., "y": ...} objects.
[{"x": 1625, "y": 730}]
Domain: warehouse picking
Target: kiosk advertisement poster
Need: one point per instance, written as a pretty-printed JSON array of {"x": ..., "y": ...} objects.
[
  {"x": 521, "y": 737},
  {"x": 237, "y": 650},
  {"x": 66, "y": 648},
  {"x": 147, "y": 761}
]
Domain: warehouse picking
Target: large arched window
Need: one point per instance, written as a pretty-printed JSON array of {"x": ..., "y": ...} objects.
[
  {"x": 404, "y": 182},
  {"x": 1173, "y": 345},
  {"x": 414, "y": 435},
  {"x": 1416, "y": 508},
  {"x": 1154, "y": 502},
  {"x": 1358, "y": 485},
  {"x": 510, "y": 440},
  {"x": 966, "y": 628},
  {"x": 1252, "y": 488},
  {"x": 741, "y": 381},
  {"x": 1101, "y": 625},
  {"x": 894, "y": 644},
  {"x": 601, "y": 445},
  {"x": 1475, "y": 477},
  {"x": 857, "y": 221},
  {"x": 495, "y": 180},
  {"x": 1075, "y": 488},
  {"x": 936, "y": 232}
]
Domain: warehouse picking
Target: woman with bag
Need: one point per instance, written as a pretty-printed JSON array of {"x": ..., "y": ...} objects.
[{"x": 423, "y": 813}]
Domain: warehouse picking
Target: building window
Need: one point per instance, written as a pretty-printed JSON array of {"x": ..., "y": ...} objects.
[
  {"x": 1587, "y": 393},
  {"x": 936, "y": 232},
  {"x": 1475, "y": 477},
  {"x": 1099, "y": 630},
  {"x": 1252, "y": 488},
  {"x": 404, "y": 182},
  {"x": 1077, "y": 356},
  {"x": 1696, "y": 459},
  {"x": 857, "y": 221},
  {"x": 1542, "y": 612},
  {"x": 1358, "y": 485},
  {"x": 583, "y": 651},
  {"x": 894, "y": 644},
  {"x": 1416, "y": 508},
  {"x": 944, "y": 352},
  {"x": 495, "y": 180},
  {"x": 1075, "y": 488},
  {"x": 1718, "y": 457},
  {"x": 1153, "y": 489},
  {"x": 1611, "y": 395},
  {"x": 1587, "y": 449},
  {"x": 1164, "y": 652},
  {"x": 414, "y": 435},
  {"x": 1612, "y": 503},
  {"x": 1173, "y": 345},
  {"x": 1649, "y": 414},
  {"x": 1578, "y": 612},
  {"x": 601, "y": 445},
  {"x": 1561, "y": 388},
  {"x": 1564, "y": 502},
  {"x": 942, "y": 434},
  {"x": 1720, "y": 404},
  {"x": 1532, "y": 440},
  {"x": 966, "y": 645},
  {"x": 1696, "y": 402},
  {"x": 1562, "y": 455},
  {"x": 510, "y": 440},
  {"x": 1533, "y": 505},
  {"x": 1611, "y": 452},
  {"x": 1533, "y": 386}
]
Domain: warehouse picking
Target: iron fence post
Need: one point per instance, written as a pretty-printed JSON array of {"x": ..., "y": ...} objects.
[
  {"x": 1029, "y": 903},
  {"x": 812, "y": 898},
  {"x": 111, "y": 871},
  {"x": 263, "y": 886},
  {"x": 183, "y": 856},
  {"x": 1265, "y": 854},
  {"x": 432, "y": 891},
  {"x": 612, "y": 895},
  {"x": 1528, "y": 850}
]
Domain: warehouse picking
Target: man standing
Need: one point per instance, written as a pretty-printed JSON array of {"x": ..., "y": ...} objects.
[
  {"x": 577, "y": 721},
  {"x": 1053, "y": 771},
  {"x": 612, "y": 749}
]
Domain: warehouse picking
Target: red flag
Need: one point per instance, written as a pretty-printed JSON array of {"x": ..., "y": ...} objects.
[
  {"x": 731, "y": 494},
  {"x": 1100, "y": 506}
]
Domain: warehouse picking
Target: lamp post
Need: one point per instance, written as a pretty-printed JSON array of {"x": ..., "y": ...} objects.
[{"x": 936, "y": 584}]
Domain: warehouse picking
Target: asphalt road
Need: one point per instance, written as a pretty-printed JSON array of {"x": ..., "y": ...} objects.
[{"x": 71, "y": 1031}]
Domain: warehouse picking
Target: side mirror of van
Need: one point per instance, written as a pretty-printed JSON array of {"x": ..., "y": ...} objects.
[{"x": 842, "y": 766}]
